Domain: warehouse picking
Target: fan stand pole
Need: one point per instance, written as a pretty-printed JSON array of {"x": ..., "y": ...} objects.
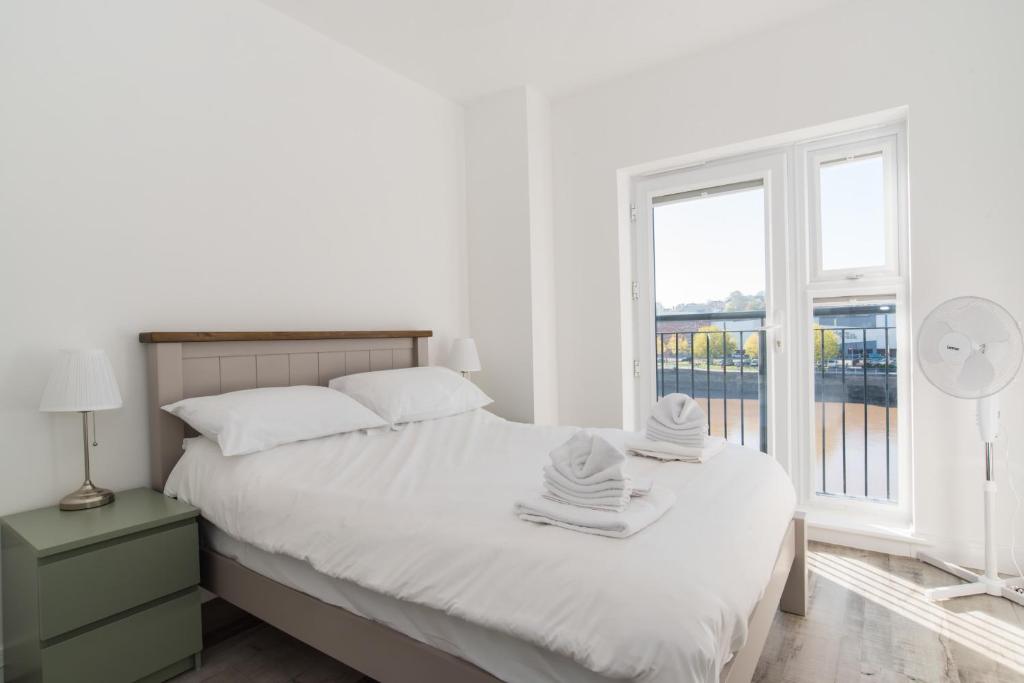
[{"x": 977, "y": 584}]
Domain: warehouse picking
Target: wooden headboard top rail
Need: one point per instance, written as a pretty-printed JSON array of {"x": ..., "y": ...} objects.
[
  {"x": 170, "y": 337},
  {"x": 188, "y": 364}
]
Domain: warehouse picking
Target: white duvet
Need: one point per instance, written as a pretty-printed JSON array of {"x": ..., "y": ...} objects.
[{"x": 425, "y": 514}]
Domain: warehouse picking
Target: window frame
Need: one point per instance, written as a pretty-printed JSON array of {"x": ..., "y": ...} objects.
[
  {"x": 771, "y": 167},
  {"x": 792, "y": 290},
  {"x": 892, "y": 279},
  {"x": 813, "y": 156},
  {"x": 866, "y": 510}
]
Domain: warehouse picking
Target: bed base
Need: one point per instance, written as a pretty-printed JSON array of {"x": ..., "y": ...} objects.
[
  {"x": 367, "y": 646},
  {"x": 392, "y": 657}
]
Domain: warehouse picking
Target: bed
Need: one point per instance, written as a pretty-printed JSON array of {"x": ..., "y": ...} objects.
[{"x": 407, "y": 564}]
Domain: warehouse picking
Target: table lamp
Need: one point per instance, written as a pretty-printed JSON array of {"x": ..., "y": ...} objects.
[
  {"x": 463, "y": 357},
  {"x": 82, "y": 381}
]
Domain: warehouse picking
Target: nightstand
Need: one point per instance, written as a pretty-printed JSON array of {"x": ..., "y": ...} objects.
[{"x": 103, "y": 595}]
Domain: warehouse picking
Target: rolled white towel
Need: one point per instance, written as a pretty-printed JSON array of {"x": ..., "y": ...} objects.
[
  {"x": 639, "y": 514},
  {"x": 589, "y": 459},
  {"x": 677, "y": 418},
  {"x": 663, "y": 450},
  {"x": 678, "y": 412}
]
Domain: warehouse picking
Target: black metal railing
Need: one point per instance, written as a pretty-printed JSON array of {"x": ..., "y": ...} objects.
[
  {"x": 855, "y": 365},
  {"x": 855, "y": 369},
  {"x": 687, "y": 360}
]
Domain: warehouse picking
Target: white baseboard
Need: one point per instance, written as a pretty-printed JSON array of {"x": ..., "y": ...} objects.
[
  {"x": 907, "y": 543},
  {"x": 903, "y": 545}
]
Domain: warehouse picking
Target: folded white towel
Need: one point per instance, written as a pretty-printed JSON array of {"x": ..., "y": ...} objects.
[
  {"x": 608, "y": 503},
  {"x": 663, "y": 450},
  {"x": 641, "y": 513},
  {"x": 637, "y": 486},
  {"x": 589, "y": 459},
  {"x": 640, "y": 486},
  {"x": 555, "y": 486},
  {"x": 656, "y": 432}
]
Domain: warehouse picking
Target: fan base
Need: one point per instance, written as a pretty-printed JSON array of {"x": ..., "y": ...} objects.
[{"x": 977, "y": 584}]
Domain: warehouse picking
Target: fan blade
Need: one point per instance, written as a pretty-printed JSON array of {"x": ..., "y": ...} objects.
[
  {"x": 980, "y": 324},
  {"x": 931, "y": 338},
  {"x": 977, "y": 372}
]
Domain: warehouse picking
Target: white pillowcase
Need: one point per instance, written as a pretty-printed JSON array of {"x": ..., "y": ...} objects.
[
  {"x": 412, "y": 394},
  {"x": 257, "y": 419}
]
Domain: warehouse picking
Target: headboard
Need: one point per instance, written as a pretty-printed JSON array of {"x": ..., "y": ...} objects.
[{"x": 187, "y": 364}]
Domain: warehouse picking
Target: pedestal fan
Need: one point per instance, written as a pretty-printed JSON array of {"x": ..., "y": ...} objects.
[{"x": 971, "y": 348}]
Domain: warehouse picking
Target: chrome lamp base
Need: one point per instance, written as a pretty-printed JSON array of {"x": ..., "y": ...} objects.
[{"x": 87, "y": 496}]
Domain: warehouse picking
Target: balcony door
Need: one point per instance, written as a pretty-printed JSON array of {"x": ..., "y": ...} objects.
[
  {"x": 710, "y": 299},
  {"x": 772, "y": 288}
]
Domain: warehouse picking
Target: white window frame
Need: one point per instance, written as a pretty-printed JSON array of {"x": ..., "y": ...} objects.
[
  {"x": 773, "y": 170},
  {"x": 890, "y": 280},
  {"x": 794, "y": 221},
  {"x": 813, "y": 156}
]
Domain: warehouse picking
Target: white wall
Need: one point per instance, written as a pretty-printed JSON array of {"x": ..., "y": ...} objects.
[
  {"x": 197, "y": 165},
  {"x": 511, "y": 250},
  {"x": 957, "y": 66},
  {"x": 542, "y": 259}
]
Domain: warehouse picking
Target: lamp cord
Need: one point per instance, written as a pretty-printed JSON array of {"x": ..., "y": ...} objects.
[{"x": 1005, "y": 438}]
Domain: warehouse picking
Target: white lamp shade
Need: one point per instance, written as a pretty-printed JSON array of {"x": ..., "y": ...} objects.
[
  {"x": 463, "y": 356},
  {"x": 81, "y": 380}
]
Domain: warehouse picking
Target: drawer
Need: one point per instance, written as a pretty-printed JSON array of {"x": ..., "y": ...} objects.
[
  {"x": 130, "y": 648},
  {"x": 78, "y": 589}
]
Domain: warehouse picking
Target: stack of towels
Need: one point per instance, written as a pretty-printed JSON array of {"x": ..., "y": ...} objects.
[
  {"x": 587, "y": 489},
  {"x": 677, "y": 430}
]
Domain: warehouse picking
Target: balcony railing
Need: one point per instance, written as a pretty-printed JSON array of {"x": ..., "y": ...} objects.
[{"x": 719, "y": 359}]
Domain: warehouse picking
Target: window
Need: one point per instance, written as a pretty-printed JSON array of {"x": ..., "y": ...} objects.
[
  {"x": 771, "y": 286},
  {"x": 855, "y": 399},
  {"x": 855, "y": 293},
  {"x": 852, "y": 212}
]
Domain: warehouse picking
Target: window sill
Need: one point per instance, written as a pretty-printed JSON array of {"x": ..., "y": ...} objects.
[{"x": 839, "y": 529}]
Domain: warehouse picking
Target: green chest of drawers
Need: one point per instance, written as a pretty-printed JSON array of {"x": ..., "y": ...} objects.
[{"x": 103, "y": 595}]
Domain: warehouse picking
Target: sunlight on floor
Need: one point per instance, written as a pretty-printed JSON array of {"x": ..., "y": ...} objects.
[{"x": 988, "y": 636}]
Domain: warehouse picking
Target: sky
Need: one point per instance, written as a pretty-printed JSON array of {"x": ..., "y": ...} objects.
[{"x": 705, "y": 248}]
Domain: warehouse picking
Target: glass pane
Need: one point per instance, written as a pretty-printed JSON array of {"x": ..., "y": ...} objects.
[
  {"x": 709, "y": 281},
  {"x": 855, "y": 400},
  {"x": 853, "y": 213}
]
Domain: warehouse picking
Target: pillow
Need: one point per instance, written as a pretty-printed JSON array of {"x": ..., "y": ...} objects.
[
  {"x": 257, "y": 419},
  {"x": 412, "y": 394}
]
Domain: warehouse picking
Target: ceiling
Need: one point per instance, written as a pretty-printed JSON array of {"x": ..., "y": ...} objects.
[{"x": 467, "y": 48}]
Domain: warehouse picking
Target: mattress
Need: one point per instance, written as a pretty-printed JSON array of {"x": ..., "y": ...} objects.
[{"x": 424, "y": 516}]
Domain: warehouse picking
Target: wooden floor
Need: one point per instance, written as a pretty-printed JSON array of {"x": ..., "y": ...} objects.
[{"x": 868, "y": 621}]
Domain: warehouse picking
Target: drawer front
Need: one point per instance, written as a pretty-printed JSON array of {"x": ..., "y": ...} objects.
[
  {"x": 77, "y": 590},
  {"x": 130, "y": 648}
]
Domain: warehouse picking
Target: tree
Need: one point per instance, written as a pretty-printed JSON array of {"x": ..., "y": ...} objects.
[
  {"x": 752, "y": 347},
  {"x": 831, "y": 343},
  {"x": 720, "y": 344},
  {"x": 672, "y": 344}
]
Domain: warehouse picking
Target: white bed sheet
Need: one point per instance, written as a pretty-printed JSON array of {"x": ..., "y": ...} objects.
[
  {"x": 424, "y": 515},
  {"x": 506, "y": 657}
]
